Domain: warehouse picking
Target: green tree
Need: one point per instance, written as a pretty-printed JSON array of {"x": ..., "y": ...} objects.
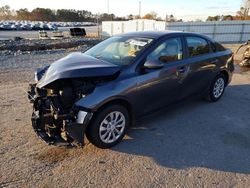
[
  {"x": 42, "y": 14},
  {"x": 107, "y": 17},
  {"x": 67, "y": 15}
]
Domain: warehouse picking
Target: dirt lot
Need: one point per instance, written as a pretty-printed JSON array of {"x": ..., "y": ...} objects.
[{"x": 195, "y": 144}]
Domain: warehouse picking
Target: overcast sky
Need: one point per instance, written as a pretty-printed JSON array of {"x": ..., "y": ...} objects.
[{"x": 185, "y": 9}]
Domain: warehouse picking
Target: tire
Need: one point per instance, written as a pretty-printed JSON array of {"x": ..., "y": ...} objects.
[
  {"x": 216, "y": 89},
  {"x": 108, "y": 126}
]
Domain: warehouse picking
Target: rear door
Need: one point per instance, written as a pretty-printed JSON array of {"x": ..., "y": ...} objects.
[{"x": 200, "y": 65}]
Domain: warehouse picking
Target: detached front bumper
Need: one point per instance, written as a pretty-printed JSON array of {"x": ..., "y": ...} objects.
[
  {"x": 72, "y": 133},
  {"x": 52, "y": 123},
  {"x": 76, "y": 130}
]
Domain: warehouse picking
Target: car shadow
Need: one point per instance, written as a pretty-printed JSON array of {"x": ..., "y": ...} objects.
[{"x": 194, "y": 133}]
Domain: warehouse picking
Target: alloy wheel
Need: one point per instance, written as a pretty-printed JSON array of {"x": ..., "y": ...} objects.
[
  {"x": 219, "y": 86},
  {"x": 112, "y": 127}
]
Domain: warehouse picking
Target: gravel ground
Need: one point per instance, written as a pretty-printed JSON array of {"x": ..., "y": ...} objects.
[
  {"x": 195, "y": 144},
  {"x": 5, "y": 35},
  {"x": 28, "y": 45}
]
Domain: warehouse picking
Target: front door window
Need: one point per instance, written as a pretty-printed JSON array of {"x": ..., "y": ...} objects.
[{"x": 167, "y": 52}]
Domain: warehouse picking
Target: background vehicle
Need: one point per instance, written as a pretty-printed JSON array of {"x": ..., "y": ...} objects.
[
  {"x": 246, "y": 55},
  {"x": 102, "y": 91}
]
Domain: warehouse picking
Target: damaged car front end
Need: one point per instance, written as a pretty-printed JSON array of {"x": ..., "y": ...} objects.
[
  {"x": 56, "y": 118},
  {"x": 55, "y": 124},
  {"x": 101, "y": 92}
]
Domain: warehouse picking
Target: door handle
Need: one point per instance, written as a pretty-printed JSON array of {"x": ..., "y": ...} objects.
[
  {"x": 214, "y": 61},
  {"x": 182, "y": 69}
]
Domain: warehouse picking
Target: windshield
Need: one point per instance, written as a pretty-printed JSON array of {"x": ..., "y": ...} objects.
[{"x": 119, "y": 50}]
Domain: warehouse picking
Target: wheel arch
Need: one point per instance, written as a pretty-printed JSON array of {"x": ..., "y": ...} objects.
[
  {"x": 226, "y": 74},
  {"x": 117, "y": 101}
]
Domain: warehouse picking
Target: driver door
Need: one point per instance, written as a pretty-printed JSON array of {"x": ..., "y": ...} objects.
[{"x": 158, "y": 87}]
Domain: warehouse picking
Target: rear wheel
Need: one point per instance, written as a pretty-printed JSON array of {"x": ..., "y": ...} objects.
[
  {"x": 217, "y": 88},
  {"x": 108, "y": 127}
]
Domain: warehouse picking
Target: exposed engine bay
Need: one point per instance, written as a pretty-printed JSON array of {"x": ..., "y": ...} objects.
[
  {"x": 54, "y": 112},
  {"x": 55, "y": 118}
]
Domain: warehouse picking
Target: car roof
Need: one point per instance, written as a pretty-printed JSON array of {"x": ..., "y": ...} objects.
[{"x": 158, "y": 34}]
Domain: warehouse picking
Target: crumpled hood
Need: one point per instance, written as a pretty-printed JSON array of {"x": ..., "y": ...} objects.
[{"x": 77, "y": 65}]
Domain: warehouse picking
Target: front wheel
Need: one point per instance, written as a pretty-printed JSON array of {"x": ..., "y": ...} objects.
[
  {"x": 108, "y": 127},
  {"x": 217, "y": 88}
]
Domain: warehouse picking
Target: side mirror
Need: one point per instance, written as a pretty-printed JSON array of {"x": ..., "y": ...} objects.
[{"x": 151, "y": 64}]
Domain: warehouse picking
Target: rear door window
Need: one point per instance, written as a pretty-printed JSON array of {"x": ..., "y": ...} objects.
[
  {"x": 216, "y": 47},
  {"x": 197, "y": 46}
]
